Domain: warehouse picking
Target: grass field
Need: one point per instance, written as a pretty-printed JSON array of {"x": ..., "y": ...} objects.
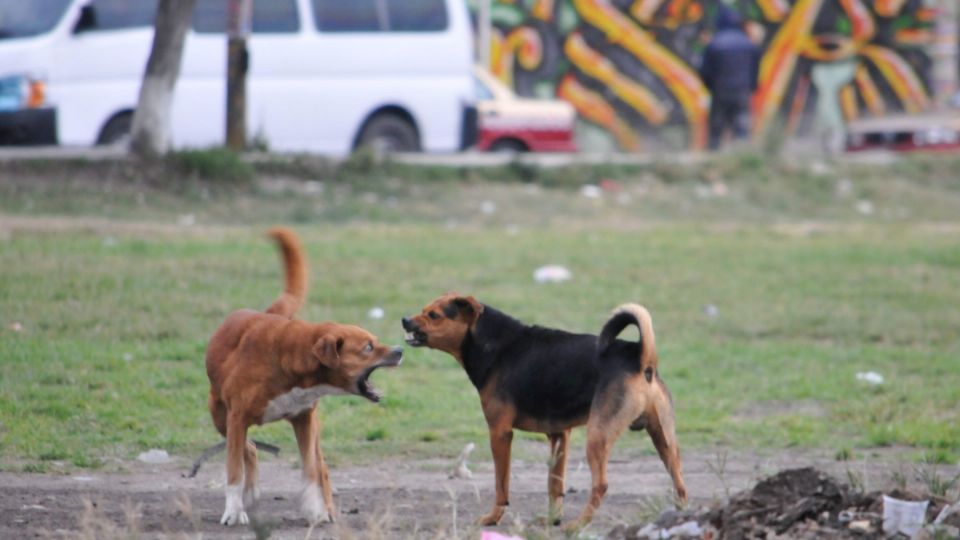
[{"x": 766, "y": 302}]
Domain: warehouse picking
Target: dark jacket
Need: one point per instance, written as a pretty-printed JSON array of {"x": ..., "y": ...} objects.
[{"x": 731, "y": 62}]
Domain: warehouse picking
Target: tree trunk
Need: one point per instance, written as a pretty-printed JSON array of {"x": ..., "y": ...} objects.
[{"x": 151, "y": 121}]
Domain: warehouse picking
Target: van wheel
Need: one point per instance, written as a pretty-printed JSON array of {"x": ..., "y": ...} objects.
[
  {"x": 508, "y": 146},
  {"x": 389, "y": 133},
  {"x": 117, "y": 130}
]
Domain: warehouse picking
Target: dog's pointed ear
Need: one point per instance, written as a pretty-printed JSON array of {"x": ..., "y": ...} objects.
[
  {"x": 464, "y": 306},
  {"x": 327, "y": 350}
]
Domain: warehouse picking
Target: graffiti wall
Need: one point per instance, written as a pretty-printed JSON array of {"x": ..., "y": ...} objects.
[{"x": 630, "y": 66}]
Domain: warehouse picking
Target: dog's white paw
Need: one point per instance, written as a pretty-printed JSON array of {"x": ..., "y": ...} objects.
[
  {"x": 233, "y": 517},
  {"x": 233, "y": 512},
  {"x": 311, "y": 505}
]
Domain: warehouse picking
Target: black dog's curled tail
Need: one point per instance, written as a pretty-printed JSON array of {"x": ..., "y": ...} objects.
[{"x": 624, "y": 316}]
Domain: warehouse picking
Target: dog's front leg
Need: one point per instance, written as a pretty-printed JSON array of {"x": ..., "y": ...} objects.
[
  {"x": 316, "y": 481},
  {"x": 236, "y": 444},
  {"x": 558, "y": 469},
  {"x": 500, "y": 441}
]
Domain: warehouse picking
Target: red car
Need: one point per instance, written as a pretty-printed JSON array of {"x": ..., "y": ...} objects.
[{"x": 508, "y": 123}]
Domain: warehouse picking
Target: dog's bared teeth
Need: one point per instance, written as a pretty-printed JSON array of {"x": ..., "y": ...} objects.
[{"x": 408, "y": 336}]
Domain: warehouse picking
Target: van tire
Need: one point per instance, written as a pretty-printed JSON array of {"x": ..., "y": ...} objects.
[
  {"x": 117, "y": 130},
  {"x": 389, "y": 133},
  {"x": 512, "y": 146}
]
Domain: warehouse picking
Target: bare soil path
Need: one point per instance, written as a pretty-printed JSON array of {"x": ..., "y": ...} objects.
[{"x": 393, "y": 499}]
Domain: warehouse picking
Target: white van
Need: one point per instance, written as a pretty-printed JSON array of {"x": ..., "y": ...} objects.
[{"x": 324, "y": 76}]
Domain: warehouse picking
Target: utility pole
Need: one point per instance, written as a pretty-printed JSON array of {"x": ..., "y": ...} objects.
[
  {"x": 239, "y": 19},
  {"x": 483, "y": 33}
]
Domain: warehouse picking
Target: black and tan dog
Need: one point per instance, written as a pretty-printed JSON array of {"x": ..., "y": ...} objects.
[
  {"x": 549, "y": 381},
  {"x": 266, "y": 366}
]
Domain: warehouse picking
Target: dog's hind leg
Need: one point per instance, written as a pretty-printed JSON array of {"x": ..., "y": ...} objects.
[
  {"x": 660, "y": 426},
  {"x": 558, "y": 468},
  {"x": 236, "y": 444},
  {"x": 612, "y": 411},
  {"x": 305, "y": 427}
]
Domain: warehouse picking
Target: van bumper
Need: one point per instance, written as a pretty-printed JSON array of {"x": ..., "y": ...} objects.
[{"x": 28, "y": 127}]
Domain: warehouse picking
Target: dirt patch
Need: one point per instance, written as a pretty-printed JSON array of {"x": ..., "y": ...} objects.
[{"x": 394, "y": 499}]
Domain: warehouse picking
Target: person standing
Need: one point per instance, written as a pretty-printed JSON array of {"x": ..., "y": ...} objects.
[{"x": 730, "y": 69}]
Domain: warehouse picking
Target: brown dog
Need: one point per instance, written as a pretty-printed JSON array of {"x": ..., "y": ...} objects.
[
  {"x": 265, "y": 366},
  {"x": 549, "y": 381}
]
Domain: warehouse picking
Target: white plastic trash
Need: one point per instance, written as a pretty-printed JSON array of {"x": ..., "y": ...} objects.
[
  {"x": 591, "y": 191},
  {"x": 903, "y": 516},
  {"x": 871, "y": 377},
  {"x": 551, "y": 273},
  {"x": 154, "y": 455},
  {"x": 375, "y": 313}
]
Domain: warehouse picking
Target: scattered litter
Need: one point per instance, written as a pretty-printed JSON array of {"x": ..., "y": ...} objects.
[
  {"x": 461, "y": 470},
  {"x": 551, "y": 273},
  {"x": 711, "y": 310},
  {"x": 488, "y": 207},
  {"x": 127, "y": 357},
  {"x": 84, "y": 478},
  {"x": 720, "y": 188},
  {"x": 903, "y": 516},
  {"x": 947, "y": 512},
  {"x": 871, "y": 377},
  {"x": 154, "y": 455},
  {"x": 591, "y": 191},
  {"x": 33, "y": 507},
  {"x": 865, "y": 207},
  {"x": 670, "y": 524},
  {"x": 375, "y": 313},
  {"x": 186, "y": 220},
  {"x": 862, "y": 526},
  {"x": 16, "y": 327}
]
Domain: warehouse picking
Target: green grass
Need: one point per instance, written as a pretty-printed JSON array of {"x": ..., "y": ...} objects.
[{"x": 115, "y": 315}]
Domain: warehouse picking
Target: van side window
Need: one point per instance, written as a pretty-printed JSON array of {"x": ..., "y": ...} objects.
[
  {"x": 380, "y": 15},
  {"x": 269, "y": 17},
  {"x": 417, "y": 15},
  {"x": 355, "y": 16},
  {"x": 120, "y": 14}
]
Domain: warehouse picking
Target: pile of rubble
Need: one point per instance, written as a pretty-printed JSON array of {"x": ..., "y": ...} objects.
[{"x": 806, "y": 504}]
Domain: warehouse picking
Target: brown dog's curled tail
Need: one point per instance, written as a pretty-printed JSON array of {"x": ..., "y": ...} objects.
[
  {"x": 295, "y": 272},
  {"x": 623, "y": 317}
]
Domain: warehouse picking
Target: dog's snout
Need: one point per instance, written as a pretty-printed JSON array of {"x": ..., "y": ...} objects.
[
  {"x": 396, "y": 353},
  {"x": 407, "y": 324}
]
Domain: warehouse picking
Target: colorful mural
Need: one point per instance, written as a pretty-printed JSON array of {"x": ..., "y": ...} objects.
[{"x": 630, "y": 66}]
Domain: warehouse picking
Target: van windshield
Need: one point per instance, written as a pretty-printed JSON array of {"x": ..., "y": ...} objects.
[{"x": 20, "y": 18}]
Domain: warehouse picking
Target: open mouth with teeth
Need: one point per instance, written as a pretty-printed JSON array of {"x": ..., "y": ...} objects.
[
  {"x": 365, "y": 388},
  {"x": 415, "y": 338}
]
